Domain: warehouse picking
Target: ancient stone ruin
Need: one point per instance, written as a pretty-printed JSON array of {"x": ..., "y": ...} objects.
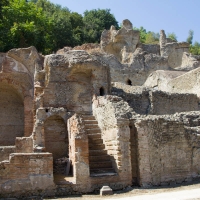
[{"x": 118, "y": 113}]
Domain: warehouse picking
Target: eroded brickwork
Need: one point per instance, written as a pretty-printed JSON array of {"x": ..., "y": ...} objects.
[
  {"x": 166, "y": 151},
  {"x": 98, "y": 114}
]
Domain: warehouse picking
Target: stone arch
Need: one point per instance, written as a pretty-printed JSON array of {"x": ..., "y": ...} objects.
[
  {"x": 23, "y": 86},
  {"x": 11, "y": 115},
  {"x": 56, "y": 137}
]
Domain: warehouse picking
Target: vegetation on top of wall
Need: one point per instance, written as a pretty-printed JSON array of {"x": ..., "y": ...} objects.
[{"x": 50, "y": 27}]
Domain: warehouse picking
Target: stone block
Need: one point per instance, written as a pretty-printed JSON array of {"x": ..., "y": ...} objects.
[{"x": 106, "y": 190}]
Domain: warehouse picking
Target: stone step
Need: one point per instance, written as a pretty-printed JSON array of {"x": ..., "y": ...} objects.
[
  {"x": 88, "y": 117},
  {"x": 97, "y": 152},
  {"x": 104, "y": 170},
  {"x": 91, "y": 126},
  {"x": 99, "y": 158},
  {"x": 95, "y": 140},
  {"x": 100, "y": 165},
  {"x": 94, "y": 136},
  {"x": 100, "y": 174},
  {"x": 94, "y": 130},
  {"x": 96, "y": 146},
  {"x": 90, "y": 122}
]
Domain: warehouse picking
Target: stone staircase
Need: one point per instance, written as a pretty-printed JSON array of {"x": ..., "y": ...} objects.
[{"x": 99, "y": 161}]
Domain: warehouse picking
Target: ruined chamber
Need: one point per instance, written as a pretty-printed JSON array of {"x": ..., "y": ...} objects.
[{"x": 119, "y": 113}]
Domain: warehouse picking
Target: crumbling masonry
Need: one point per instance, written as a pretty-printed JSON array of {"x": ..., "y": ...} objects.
[{"x": 119, "y": 113}]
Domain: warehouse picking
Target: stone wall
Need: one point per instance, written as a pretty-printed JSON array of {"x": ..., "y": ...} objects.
[
  {"x": 188, "y": 82},
  {"x": 112, "y": 116},
  {"x": 11, "y": 115},
  {"x": 169, "y": 103},
  {"x": 136, "y": 97},
  {"x": 5, "y": 151},
  {"x": 72, "y": 80},
  {"x": 148, "y": 101},
  {"x": 79, "y": 153},
  {"x": 167, "y": 150},
  {"x": 27, "y": 174},
  {"x": 150, "y": 48}
]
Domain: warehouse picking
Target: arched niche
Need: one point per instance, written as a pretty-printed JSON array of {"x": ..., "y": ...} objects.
[
  {"x": 101, "y": 91},
  {"x": 129, "y": 82},
  {"x": 56, "y": 137},
  {"x": 11, "y": 115}
]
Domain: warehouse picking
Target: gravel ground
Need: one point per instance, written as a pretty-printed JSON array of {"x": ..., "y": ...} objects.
[{"x": 183, "y": 192}]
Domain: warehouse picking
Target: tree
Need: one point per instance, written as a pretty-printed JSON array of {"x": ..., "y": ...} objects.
[
  {"x": 95, "y": 21},
  {"x": 23, "y": 25},
  {"x": 190, "y": 36},
  {"x": 172, "y": 36},
  {"x": 152, "y": 38},
  {"x": 195, "y": 49},
  {"x": 143, "y": 33},
  {"x": 48, "y": 26}
]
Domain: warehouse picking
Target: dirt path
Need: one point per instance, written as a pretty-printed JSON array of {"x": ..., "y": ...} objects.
[{"x": 189, "y": 192}]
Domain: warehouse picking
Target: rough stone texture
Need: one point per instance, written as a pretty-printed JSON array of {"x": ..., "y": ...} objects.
[
  {"x": 147, "y": 101},
  {"x": 168, "y": 149},
  {"x": 69, "y": 78},
  {"x": 108, "y": 116},
  {"x": 177, "y": 54},
  {"x": 112, "y": 113},
  {"x": 24, "y": 144},
  {"x": 120, "y": 42},
  {"x": 25, "y": 173},
  {"x": 137, "y": 70},
  {"x": 79, "y": 152},
  {"x": 170, "y": 103},
  {"x": 5, "y": 151},
  {"x": 188, "y": 82},
  {"x": 159, "y": 79},
  {"x": 150, "y": 48}
]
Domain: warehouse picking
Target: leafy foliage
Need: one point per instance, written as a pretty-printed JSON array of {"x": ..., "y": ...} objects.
[
  {"x": 190, "y": 36},
  {"x": 172, "y": 36},
  {"x": 95, "y": 21},
  {"x": 195, "y": 49},
  {"x": 48, "y": 26},
  {"x": 148, "y": 37}
]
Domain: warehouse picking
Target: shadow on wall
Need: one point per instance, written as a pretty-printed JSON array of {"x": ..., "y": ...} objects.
[
  {"x": 57, "y": 143},
  {"x": 11, "y": 115}
]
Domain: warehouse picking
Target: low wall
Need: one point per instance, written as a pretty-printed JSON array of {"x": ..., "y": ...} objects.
[
  {"x": 5, "y": 151},
  {"x": 27, "y": 174}
]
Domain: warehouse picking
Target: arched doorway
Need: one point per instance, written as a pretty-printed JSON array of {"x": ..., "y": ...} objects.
[
  {"x": 56, "y": 142},
  {"x": 11, "y": 115},
  {"x": 101, "y": 91},
  {"x": 129, "y": 82},
  {"x": 56, "y": 138}
]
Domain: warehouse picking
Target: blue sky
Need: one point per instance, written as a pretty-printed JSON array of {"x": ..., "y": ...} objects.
[{"x": 178, "y": 16}]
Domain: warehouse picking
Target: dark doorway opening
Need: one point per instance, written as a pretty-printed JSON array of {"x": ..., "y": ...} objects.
[
  {"x": 129, "y": 82},
  {"x": 101, "y": 91}
]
